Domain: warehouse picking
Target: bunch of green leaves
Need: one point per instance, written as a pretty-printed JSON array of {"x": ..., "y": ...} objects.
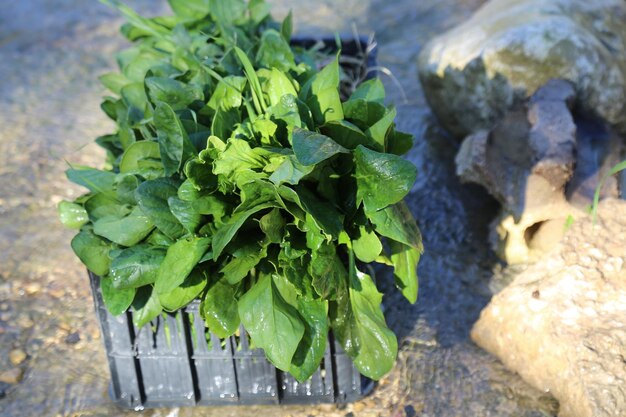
[{"x": 237, "y": 176}]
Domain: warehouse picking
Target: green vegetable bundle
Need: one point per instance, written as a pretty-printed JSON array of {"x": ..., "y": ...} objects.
[{"x": 237, "y": 176}]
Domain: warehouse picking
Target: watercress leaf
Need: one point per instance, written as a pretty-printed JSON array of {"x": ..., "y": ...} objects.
[
  {"x": 325, "y": 215},
  {"x": 219, "y": 309},
  {"x": 273, "y": 225},
  {"x": 93, "y": 179},
  {"x": 185, "y": 214},
  {"x": 370, "y": 90},
  {"x": 179, "y": 261},
  {"x": 359, "y": 325},
  {"x": 312, "y": 347},
  {"x": 142, "y": 158},
  {"x": 176, "y": 94},
  {"x": 273, "y": 324},
  {"x": 378, "y": 131},
  {"x": 175, "y": 146},
  {"x": 290, "y": 171},
  {"x": 72, "y": 215},
  {"x": 382, "y": 179},
  {"x": 180, "y": 296},
  {"x": 396, "y": 222},
  {"x": 244, "y": 259},
  {"x": 275, "y": 52},
  {"x": 321, "y": 94},
  {"x": 152, "y": 198},
  {"x": 125, "y": 231},
  {"x": 116, "y": 300},
  {"x": 227, "y": 231},
  {"x": 367, "y": 245},
  {"x": 93, "y": 251},
  {"x": 405, "y": 259},
  {"x": 347, "y": 134},
  {"x": 311, "y": 148},
  {"x": 146, "y": 306},
  {"x": 114, "y": 81},
  {"x": 136, "y": 266},
  {"x": 278, "y": 86}
]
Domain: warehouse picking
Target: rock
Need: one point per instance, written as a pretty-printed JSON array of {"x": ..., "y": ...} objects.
[
  {"x": 25, "y": 322},
  {"x": 529, "y": 162},
  {"x": 12, "y": 376},
  {"x": 561, "y": 323},
  {"x": 72, "y": 338},
  {"x": 17, "y": 356},
  {"x": 32, "y": 288},
  {"x": 509, "y": 48}
]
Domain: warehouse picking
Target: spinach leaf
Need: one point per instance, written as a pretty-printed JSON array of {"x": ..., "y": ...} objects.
[
  {"x": 174, "y": 144},
  {"x": 275, "y": 52},
  {"x": 405, "y": 259},
  {"x": 311, "y": 348},
  {"x": 152, "y": 197},
  {"x": 227, "y": 231},
  {"x": 367, "y": 246},
  {"x": 396, "y": 222},
  {"x": 176, "y": 94},
  {"x": 219, "y": 309},
  {"x": 185, "y": 213},
  {"x": 359, "y": 325},
  {"x": 321, "y": 94},
  {"x": 146, "y": 306},
  {"x": 245, "y": 258},
  {"x": 382, "y": 179},
  {"x": 312, "y": 148},
  {"x": 72, "y": 215},
  {"x": 116, "y": 300},
  {"x": 125, "y": 231},
  {"x": 182, "y": 295},
  {"x": 93, "y": 179},
  {"x": 274, "y": 325},
  {"x": 179, "y": 261},
  {"x": 136, "y": 266},
  {"x": 92, "y": 251},
  {"x": 370, "y": 90}
]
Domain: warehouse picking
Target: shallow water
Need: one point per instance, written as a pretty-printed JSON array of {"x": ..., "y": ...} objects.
[{"x": 50, "y": 54}]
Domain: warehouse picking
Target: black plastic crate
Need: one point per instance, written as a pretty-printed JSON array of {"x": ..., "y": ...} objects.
[{"x": 175, "y": 361}]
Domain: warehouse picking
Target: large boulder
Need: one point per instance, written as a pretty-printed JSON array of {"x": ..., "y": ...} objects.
[
  {"x": 561, "y": 324},
  {"x": 473, "y": 73},
  {"x": 543, "y": 164}
]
